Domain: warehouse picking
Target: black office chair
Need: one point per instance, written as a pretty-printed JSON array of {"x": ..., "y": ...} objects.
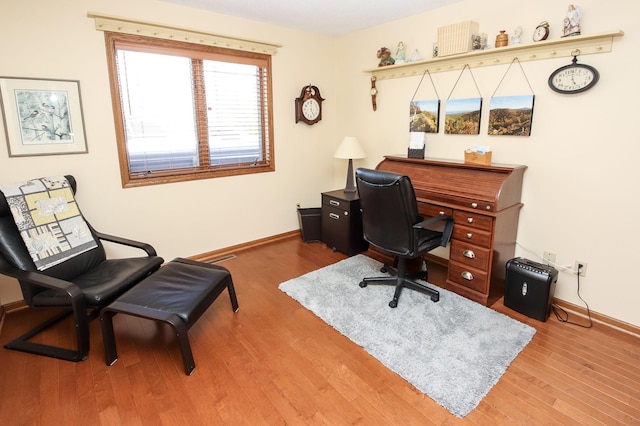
[
  {"x": 391, "y": 222},
  {"x": 81, "y": 285}
]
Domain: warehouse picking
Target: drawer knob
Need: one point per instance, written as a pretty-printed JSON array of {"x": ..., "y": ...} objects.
[
  {"x": 474, "y": 205},
  {"x": 334, "y": 216},
  {"x": 488, "y": 207},
  {"x": 470, "y": 219},
  {"x": 334, "y": 203},
  {"x": 469, "y": 235},
  {"x": 441, "y": 213},
  {"x": 469, "y": 253},
  {"x": 467, "y": 275}
]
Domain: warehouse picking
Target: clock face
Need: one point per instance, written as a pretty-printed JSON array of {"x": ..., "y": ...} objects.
[
  {"x": 540, "y": 34},
  {"x": 310, "y": 109},
  {"x": 574, "y": 78}
]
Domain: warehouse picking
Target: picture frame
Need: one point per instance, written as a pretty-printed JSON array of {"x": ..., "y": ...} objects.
[
  {"x": 463, "y": 116},
  {"x": 511, "y": 115},
  {"x": 424, "y": 116},
  {"x": 42, "y": 116}
]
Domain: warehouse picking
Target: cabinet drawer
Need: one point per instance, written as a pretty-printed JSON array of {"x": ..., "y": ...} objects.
[
  {"x": 472, "y": 219},
  {"x": 471, "y": 235},
  {"x": 467, "y": 254},
  {"x": 335, "y": 202},
  {"x": 432, "y": 210},
  {"x": 468, "y": 277}
]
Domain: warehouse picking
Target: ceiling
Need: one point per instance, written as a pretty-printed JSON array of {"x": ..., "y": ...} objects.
[{"x": 329, "y": 17}]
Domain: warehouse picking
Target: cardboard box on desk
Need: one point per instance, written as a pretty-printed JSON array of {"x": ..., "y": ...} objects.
[{"x": 477, "y": 158}]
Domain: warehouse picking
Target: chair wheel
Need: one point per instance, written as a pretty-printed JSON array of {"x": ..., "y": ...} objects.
[
  {"x": 393, "y": 304},
  {"x": 363, "y": 284},
  {"x": 435, "y": 298},
  {"x": 383, "y": 270}
]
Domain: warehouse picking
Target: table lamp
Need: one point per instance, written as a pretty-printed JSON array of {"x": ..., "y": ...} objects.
[{"x": 349, "y": 149}]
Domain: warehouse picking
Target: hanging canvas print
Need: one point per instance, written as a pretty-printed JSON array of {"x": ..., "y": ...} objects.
[
  {"x": 511, "y": 115},
  {"x": 463, "y": 116},
  {"x": 424, "y": 116}
]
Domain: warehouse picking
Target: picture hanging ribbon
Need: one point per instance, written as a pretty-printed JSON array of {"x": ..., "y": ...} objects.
[
  {"x": 424, "y": 115},
  {"x": 463, "y": 115},
  {"x": 511, "y": 115}
]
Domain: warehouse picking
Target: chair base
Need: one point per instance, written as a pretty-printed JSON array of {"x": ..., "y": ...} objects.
[
  {"x": 22, "y": 343},
  {"x": 400, "y": 280}
]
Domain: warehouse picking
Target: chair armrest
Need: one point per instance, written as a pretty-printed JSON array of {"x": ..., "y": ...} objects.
[
  {"x": 448, "y": 227},
  {"x": 127, "y": 242},
  {"x": 42, "y": 280}
]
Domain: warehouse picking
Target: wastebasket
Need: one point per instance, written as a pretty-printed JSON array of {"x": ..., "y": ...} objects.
[{"x": 310, "y": 223}]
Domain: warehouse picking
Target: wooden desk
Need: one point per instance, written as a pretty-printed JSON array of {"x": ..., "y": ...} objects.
[{"x": 485, "y": 204}]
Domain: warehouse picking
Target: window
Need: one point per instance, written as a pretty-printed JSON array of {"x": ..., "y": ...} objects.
[{"x": 188, "y": 111}]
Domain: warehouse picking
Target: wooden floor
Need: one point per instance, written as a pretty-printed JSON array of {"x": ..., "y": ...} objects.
[{"x": 274, "y": 362}]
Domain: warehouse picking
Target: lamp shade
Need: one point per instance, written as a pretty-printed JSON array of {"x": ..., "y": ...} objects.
[{"x": 350, "y": 148}]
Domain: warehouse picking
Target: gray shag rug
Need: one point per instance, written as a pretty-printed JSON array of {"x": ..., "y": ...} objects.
[{"x": 454, "y": 350}]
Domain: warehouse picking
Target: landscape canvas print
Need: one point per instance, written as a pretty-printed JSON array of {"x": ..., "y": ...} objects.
[
  {"x": 424, "y": 116},
  {"x": 511, "y": 115},
  {"x": 463, "y": 116}
]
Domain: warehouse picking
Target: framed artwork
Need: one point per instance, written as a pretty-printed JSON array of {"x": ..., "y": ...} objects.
[
  {"x": 424, "y": 116},
  {"x": 511, "y": 115},
  {"x": 42, "y": 117},
  {"x": 463, "y": 116}
]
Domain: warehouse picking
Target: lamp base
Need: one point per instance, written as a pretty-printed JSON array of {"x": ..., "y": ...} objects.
[{"x": 350, "y": 187}]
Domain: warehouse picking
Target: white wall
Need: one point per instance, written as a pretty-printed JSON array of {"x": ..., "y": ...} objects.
[
  {"x": 579, "y": 190},
  {"x": 57, "y": 40}
]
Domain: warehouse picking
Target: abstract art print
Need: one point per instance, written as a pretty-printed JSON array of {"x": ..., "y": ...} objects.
[
  {"x": 42, "y": 117},
  {"x": 424, "y": 116},
  {"x": 463, "y": 116},
  {"x": 511, "y": 115}
]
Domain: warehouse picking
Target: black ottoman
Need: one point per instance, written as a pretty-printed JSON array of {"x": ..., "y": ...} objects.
[{"x": 178, "y": 294}]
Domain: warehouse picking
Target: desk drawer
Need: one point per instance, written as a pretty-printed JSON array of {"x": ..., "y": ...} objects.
[
  {"x": 472, "y": 219},
  {"x": 432, "y": 210},
  {"x": 471, "y": 235},
  {"x": 468, "y": 277},
  {"x": 467, "y": 254}
]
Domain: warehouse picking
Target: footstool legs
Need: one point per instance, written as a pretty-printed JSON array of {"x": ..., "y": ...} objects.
[
  {"x": 178, "y": 304},
  {"x": 108, "y": 337}
]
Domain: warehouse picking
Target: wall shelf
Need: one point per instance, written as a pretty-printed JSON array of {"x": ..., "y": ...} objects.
[{"x": 548, "y": 49}]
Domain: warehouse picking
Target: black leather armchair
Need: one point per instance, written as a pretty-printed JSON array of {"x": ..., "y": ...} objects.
[
  {"x": 391, "y": 222},
  {"x": 81, "y": 286}
]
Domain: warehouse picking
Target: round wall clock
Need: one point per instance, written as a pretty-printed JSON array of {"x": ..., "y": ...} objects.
[
  {"x": 309, "y": 105},
  {"x": 573, "y": 78}
]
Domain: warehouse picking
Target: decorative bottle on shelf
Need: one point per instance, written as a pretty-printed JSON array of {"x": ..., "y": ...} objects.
[{"x": 502, "y": 39}]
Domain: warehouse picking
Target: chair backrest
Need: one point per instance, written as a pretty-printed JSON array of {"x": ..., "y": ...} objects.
[
  {"x": 389, "y": 210},
  {"x": 14, "y": 253}
]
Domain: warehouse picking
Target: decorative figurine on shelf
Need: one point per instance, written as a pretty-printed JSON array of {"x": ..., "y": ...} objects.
[
  {"x": 517, "y": 32},
  {"x": 502, "y": 39},
  {"x": 401, "y": 54},
  {"x": 384, "y": 54},
  {"x": 572, "y": 21},
  {"x": 415, "y": 56}
]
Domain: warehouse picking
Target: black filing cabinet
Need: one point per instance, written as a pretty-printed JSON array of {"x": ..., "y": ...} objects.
[{"x": 342, "y": 222}]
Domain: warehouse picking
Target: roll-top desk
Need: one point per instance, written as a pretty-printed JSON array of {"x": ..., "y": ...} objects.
[{"x": 484, "y": 202}]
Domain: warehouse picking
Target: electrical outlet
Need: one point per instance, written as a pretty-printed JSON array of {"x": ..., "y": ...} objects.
[
  {"x": 583, "y": 270},
  {"x": 548, "y": 258}
]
